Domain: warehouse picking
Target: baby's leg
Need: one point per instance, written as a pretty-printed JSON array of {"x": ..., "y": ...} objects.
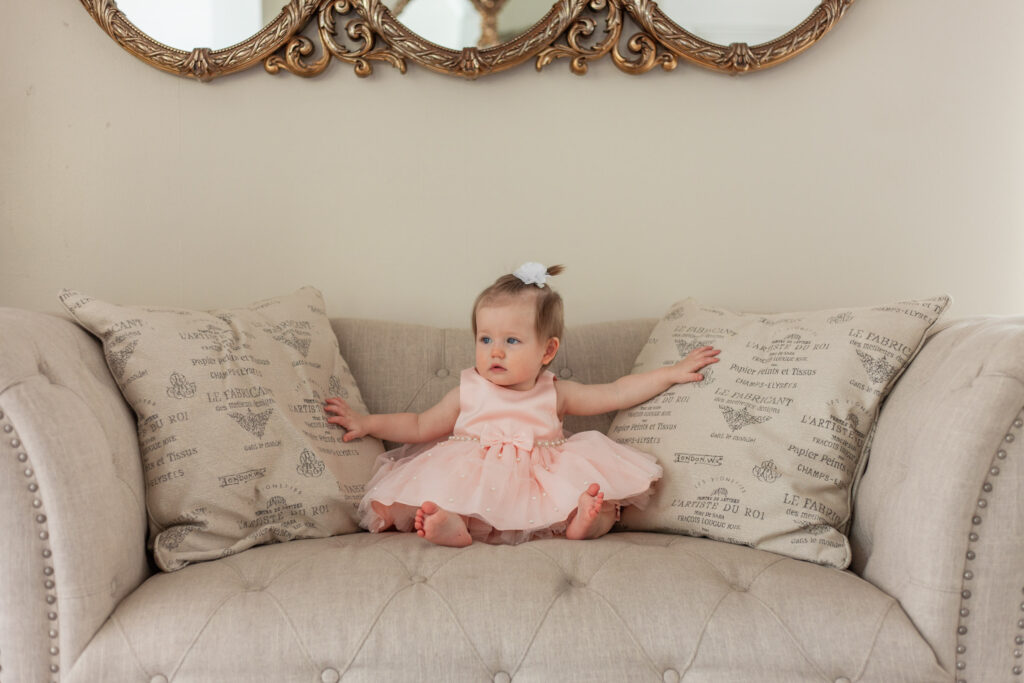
[
  {"x": 442, "y": 527},
  {"x": 593, "y": 518}
]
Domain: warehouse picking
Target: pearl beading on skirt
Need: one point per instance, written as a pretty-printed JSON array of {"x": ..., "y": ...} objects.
[{"x": 554, "y": 442}]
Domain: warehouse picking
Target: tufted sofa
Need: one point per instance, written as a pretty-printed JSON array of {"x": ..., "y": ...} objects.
[{"x": 936, "y": 591}]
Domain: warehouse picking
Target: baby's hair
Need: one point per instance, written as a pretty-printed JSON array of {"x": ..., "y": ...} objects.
[{"x": 550, "y": 320}]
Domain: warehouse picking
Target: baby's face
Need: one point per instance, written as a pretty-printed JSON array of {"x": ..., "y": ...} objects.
[{"x": 509, "y": 352}]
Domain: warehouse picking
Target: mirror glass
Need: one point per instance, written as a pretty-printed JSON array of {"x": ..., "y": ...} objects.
[
  {"x": 456, "y": 24},
  {"x": 724, "y": 22},
  {"x": 188, "y": 24}
]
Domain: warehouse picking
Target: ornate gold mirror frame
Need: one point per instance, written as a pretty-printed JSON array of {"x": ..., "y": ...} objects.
[{"x": 569, "y": 30}]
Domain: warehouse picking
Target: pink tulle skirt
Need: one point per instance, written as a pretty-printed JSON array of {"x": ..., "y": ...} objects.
[{"x": 506, "y": 493}]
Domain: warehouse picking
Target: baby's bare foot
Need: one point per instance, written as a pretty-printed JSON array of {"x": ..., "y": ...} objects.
[
  {"x": 441, "y": 527},
  {"x": 386, "y": 522},
  {"x": 586, "y": 521}
]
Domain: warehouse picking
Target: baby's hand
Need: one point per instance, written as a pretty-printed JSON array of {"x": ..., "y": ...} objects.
[
  {"x": 342, "y": 414},
  {"x": 687, "y": 369}
]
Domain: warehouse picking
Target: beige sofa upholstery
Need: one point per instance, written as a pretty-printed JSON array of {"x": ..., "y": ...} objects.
[{"x": 936, "y": 592}]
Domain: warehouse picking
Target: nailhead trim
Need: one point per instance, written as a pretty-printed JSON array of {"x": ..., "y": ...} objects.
[
  {"x": 969, "y": 573},
  {"x": 39, "y": 521},
  {"x": 1019, "y": 640}
]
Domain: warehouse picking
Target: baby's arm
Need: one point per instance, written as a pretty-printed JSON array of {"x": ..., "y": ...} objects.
[
  {"x": 631, "y": 390},
  {"x": 432, "y": 423}
]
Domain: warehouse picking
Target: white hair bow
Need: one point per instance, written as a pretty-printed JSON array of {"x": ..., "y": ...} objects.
[{"x": 532, "y": 273}]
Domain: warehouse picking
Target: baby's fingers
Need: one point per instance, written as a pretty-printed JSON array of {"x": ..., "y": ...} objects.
[
  {"x": 353, "y": 434},
  {"x": 342, "y": 420},
  {"x": 337, "y": 408}
]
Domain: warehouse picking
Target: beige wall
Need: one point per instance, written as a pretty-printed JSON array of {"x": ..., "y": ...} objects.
[{"x": 885, "y": 163}]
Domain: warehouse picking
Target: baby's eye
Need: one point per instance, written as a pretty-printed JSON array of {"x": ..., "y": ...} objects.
[
  {"x": 485, "y": 340},
  {"x": 512, "y": 340}
]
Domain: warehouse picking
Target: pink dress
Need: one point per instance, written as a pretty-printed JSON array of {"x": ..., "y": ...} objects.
[{"x": 508, "y": 468}]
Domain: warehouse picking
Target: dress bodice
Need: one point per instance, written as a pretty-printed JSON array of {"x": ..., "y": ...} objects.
[{"x": 485, "y": 407}]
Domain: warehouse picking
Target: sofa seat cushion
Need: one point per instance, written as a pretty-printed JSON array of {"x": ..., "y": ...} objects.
[{"x": 391, "y": 607}]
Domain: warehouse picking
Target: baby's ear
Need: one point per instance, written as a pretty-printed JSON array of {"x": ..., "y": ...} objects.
[{"x": 551, "y": 350}]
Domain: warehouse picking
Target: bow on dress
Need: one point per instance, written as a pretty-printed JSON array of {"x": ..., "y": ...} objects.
[
  {"x": 494, "y": 436},
  {"x": 510, "y": 442}
]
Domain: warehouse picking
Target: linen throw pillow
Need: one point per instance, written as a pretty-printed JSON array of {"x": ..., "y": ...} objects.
[
  {"x": 236, "y": 451},
  {"x": 767, "y": 449}
]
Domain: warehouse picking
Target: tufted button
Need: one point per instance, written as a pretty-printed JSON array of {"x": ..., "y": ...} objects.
[
  {"x": 842, "y": 679},
  {"x": 418, "y": 579},
  {"x": 330, "y": 675},
  {"x": 576, "y": 583},
  {"x": 738, "y": 588},
  {"x": 442, "y": 373},
  {"x": 159, "y": 678},
  {"x": 565, "y": 373},
  {"x": 502, "y": 677},
  {"x": 670, "y": 676}
]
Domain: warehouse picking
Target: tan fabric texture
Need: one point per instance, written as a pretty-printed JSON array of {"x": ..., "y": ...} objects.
[
  {"x": 939, "y": 515},
  {"x": 766, "y": 449},
  {"x": 626, "y": 607},
  {"x": 71, "y": 496},
  {"x": 235, "y": 447}
]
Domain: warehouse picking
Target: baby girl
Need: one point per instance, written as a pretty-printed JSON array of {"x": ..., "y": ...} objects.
[{"x": 490, "y": 462}]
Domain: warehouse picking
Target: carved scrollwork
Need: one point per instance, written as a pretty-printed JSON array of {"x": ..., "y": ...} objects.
[
  {"x": 201, "y": 63},
  {"x": 358, "y": 31},
  {"x": 569, "y": 30},
  {"x": 581, "y": 48},
  {"x": 579, "y": 36},
  {"x": 737, "y": 57},
  {"x": 383, "y": 37},
  {"x": 648, "y": 55}
]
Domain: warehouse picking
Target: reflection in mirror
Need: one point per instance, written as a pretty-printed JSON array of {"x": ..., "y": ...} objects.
[
  {"x": 724, "y": 22},
  {"x": 188, "y": 24},
  {"x": 457, "y": 24}
]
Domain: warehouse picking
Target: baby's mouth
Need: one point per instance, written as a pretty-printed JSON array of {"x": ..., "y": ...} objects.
[{"x": 497, "y": 368}]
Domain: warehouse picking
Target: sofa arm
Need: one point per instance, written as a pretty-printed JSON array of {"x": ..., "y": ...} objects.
[
  {"x": 938, "y": 517},
  {"x": 71, "y": 495}
]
